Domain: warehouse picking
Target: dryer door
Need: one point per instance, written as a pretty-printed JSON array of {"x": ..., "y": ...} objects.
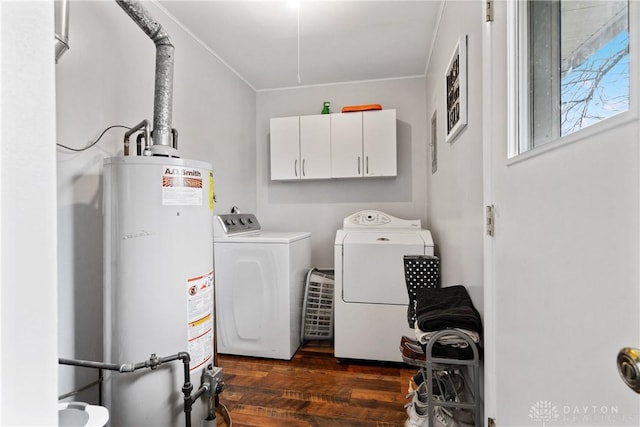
[{"x": 373, "y": 266}]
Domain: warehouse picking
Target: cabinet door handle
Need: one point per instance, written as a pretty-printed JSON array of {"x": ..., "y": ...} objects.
[
  {"x": 303, "y": 161},
  {"x": 358, "y": 165},
  {"x": 367, "y": 168},
  {"x": 295, "y": 167}
]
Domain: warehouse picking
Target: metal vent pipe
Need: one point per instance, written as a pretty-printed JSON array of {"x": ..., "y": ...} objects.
[
  {"x": 163, "y": 96},
  {"x": 61, "y": 9}
]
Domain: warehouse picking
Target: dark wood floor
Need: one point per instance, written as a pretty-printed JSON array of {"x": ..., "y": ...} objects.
[{"x": 314, "y": 389}]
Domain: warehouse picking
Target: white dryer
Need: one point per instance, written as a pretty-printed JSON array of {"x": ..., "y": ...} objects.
[
  {"x": 371, "y": 296},
  {"x": 259, "y": 285}
]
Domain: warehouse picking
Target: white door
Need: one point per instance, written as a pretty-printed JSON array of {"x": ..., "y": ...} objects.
[{"x": 561, "y": 272}]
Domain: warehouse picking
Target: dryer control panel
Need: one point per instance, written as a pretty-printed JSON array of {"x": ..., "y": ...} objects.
[
  {"x": 227, "y": 224},
  {"x": 373, "y": 218}
]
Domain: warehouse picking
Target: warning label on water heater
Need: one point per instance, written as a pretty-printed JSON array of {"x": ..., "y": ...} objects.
[
  {"x": 181, "y": 186},
  {"x": 200, "y": 319}
]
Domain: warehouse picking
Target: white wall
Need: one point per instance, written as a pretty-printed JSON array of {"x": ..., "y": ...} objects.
[
  {"x": 107, "y": 78},
  {"x": 455, "y": 190},
  {"x": 320, "y": 206},
  {"x": 28, "y": 283}
]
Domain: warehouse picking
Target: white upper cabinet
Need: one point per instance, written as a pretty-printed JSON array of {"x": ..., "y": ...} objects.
[
  {"x": 285, "y": 148},
  {"x": 379, "y": 142},
  {"x": 363, "y": 144},
  {"x": 344, "y": 145},
  {"x": 315, "y": 146}
]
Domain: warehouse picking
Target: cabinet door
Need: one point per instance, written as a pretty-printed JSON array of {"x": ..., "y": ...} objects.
[
  {"x": 379, "y": 142},
  {"x": 346, "y": 145},
  {"x": 315, "y": 146},
  {"x": 285, "y": 148}
]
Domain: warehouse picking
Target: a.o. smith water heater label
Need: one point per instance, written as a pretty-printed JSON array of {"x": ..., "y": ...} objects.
[
  {"x": 181, "y": 186},
  {"x": 200, "y": 319}
]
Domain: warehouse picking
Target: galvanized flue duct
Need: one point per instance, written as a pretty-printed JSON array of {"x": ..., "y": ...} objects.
[
  {"x": 61, "y": 8},
  {"x": 163, "y": 97}
]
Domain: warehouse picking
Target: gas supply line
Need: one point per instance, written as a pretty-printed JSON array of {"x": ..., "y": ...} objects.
[{"x": 211, "y": 381}]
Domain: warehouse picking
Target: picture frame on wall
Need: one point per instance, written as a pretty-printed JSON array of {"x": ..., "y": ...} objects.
[
  {"x": 434, "y": 142},
  {"x": 456, "y": 90}
]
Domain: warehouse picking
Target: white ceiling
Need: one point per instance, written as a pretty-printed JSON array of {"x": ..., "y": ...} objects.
[{"x": 339, "y": 41}]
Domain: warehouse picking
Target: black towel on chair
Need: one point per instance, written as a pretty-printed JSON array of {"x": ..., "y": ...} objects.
[{"x": 444, "y": 308}]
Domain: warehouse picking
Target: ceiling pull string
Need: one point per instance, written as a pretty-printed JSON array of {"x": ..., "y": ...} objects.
[{"x": 298, "y": 15}]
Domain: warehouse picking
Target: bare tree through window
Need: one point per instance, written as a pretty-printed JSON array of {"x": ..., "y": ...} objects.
[{"x": 596, "y": 89}]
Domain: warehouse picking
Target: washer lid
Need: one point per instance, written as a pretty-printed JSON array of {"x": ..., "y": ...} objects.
[{"x": 264, "y": 237}]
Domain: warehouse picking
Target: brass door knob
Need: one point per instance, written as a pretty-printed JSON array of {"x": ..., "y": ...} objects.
[{"x": 629, "y": 367}]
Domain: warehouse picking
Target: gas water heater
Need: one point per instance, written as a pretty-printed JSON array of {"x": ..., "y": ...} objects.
[{"x": 158, "y": 283}]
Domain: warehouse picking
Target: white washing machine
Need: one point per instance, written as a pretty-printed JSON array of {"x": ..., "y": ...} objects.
[
  {"x": 259, "y": 286},
  {"x": 371, "y": 296}
]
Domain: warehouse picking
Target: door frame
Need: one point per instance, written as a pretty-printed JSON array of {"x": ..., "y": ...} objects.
[{"x": 489, "y": 328}]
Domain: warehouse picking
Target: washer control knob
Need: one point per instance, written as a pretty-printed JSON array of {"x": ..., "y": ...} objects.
[{"x": 242, "y": 221}]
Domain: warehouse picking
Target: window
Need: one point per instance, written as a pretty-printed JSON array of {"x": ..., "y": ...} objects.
[{"x": 570, "y": 67}]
